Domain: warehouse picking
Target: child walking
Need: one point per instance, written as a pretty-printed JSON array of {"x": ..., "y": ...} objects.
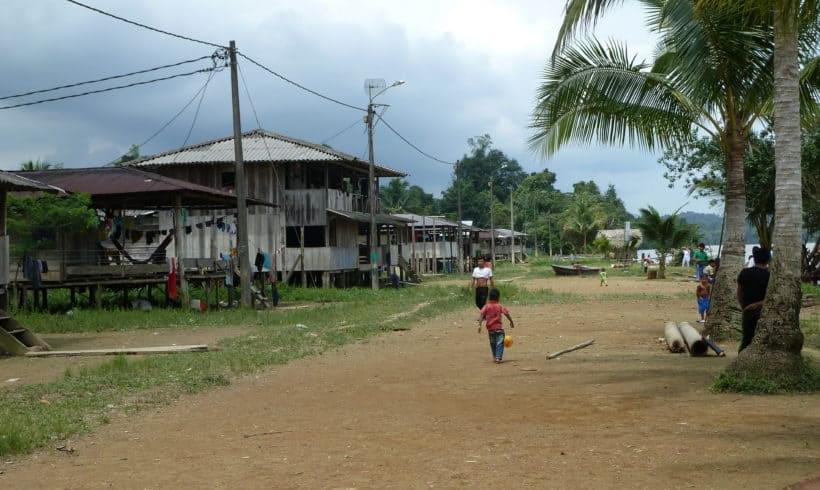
[
  {"x": 491, "y": 313},
  {"x": 603, "y": 277},
  {"x": 702, "y": 293}
]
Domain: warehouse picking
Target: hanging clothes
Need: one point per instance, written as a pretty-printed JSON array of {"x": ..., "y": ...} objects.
[
  {"x": 172, "y": 280},
  {"x": 31, "y": 271}
]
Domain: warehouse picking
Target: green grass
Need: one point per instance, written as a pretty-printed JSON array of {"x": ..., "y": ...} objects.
[
  {"x": 808, "y": 381},
  {"x": 810, "y": 289},
  {"x": 35, "y": 415}
]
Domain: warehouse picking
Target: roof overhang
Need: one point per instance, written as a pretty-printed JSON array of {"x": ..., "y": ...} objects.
[{"x": 381, "y": 219}]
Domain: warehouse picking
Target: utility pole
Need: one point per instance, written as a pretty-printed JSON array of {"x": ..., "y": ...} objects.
[
  {"x": 374, "y": 267},
  {"x": 512, "y": 229},
  {"x": 492, "y": 226},
  {"x": 549, "y": 232},
  {"x": 459, "y": 239},
  {"x": 240, "y": 185}
]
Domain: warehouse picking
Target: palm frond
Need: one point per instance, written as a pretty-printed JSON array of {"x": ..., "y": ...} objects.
[{"x": 598, "y": 92}]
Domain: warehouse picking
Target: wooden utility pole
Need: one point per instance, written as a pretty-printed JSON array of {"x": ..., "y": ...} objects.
[
  {"x": 492, "y": 225},
  {"x": 374, "y": 267},
  {"x": 460, "y": 244},
  {"x": 241, "y": 188},
  {"x": 435, "y": 248},
  {"x": 179, "y": 251},
  {"x": 512, "y": 229}
]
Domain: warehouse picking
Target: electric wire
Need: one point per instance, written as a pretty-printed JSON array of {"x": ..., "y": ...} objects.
[
  {"x": 134, "y": 23},
  {"x": 174, "y": 118},
  {"x": 342, "y": 131},
  {"x": 298, "y": 85},
  {"x": 196, "y": 114},
  {"x": 411, "y": 145},
  {"x": 108, "y": 89},
  {"x": 105, "y": 79}
]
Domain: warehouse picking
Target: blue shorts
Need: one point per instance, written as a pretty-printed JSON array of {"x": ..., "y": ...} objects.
[{"x": 703, "y": 305}]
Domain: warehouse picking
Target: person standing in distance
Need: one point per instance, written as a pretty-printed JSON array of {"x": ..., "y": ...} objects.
[
  {"x": 701, "y": 258},
  {"x": 482, "y": 278}
]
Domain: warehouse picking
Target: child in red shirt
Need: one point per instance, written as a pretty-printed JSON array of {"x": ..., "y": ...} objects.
[{"x": 491, "y": 313}]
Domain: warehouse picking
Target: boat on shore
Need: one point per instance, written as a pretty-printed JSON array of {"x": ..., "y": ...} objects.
[{"x": 575, "y": 270}]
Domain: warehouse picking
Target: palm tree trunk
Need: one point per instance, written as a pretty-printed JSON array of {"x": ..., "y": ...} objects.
[
  {"x": 724, "y": 313},
  {"x": 775, "y": 351},
  {"x": 661, "y": 264}
]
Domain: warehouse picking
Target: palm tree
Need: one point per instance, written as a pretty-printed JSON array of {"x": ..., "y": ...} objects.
[
  {"x": 775, "y": 350},
  {"x": 667, "y": 233},
  {"x": 583, "y": 216},
  {"x": 395, "y": 195},
  {"x": 38, "y": 165},
  {"x": 712, "y": 73}
]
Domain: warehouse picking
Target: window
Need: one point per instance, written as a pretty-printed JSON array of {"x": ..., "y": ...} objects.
[
  {"x": 228, "y": 180},
  {"x": 314, "y": 236}
]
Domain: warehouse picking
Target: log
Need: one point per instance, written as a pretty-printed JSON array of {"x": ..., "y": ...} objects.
[
  {"x": 674, "y": 340},
  {"x": 574, "y": 347},
  {"x": 173, "y": 349},
  {"x": 693, "y": 338}
]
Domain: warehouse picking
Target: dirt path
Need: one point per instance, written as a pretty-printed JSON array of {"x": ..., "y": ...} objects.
[
  {"x": 428, "y": 408},
  {"x": 27, "y": 370}
]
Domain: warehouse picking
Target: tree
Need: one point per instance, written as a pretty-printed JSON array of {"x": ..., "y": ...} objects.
[
  {"x": 713, "y": 73},
  {"x": 775, "y": 350},
  {"x": 133, "y": 153},
  {"x": 666, "y": 233},
  {"x": 38, "y": 165},
  {"x": 476, "y": 169},
  {"x": 583, "y": 217},
  {"x": 394, "y": 196},
  {"x": 700, "y": 166},
  {"x": 35, "y": 221}
]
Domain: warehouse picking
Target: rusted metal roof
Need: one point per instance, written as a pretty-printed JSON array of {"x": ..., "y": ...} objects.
[
  {"x": 132, "y": 188},
  {"x": 381, "y": 219},
  {"x": 260, "y": 146},
  {"x": 14, "y": 182}
]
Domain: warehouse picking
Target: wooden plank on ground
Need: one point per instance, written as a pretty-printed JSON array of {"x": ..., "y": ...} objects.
[{"x": 131, "y": 351}]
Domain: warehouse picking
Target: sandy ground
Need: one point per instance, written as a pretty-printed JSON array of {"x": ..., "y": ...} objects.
[
  {"x": 28, "y": 370},
  {"x": 427, "y": 408}
]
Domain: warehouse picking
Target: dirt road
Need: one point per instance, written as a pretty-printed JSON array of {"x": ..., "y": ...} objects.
[{"x": 428, "y": 408}]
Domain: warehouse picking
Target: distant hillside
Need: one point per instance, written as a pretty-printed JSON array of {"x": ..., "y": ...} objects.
[{"x": 710, "y": 225}]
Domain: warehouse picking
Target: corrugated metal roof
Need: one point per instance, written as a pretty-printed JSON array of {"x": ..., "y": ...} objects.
[
  {"x": 417, "y": 220},
  {"x": 260, "y": 146},
  {"x": 14, "y": 182},
  {"x": 134, "y": 187},
  {"x": 381, "y": 219}
]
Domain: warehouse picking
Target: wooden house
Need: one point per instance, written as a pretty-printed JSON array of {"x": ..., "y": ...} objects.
[
  {"x": 504, "y": 247},
  {"x": 433, "y": 244},
  {"x": 318, "y": 234}
]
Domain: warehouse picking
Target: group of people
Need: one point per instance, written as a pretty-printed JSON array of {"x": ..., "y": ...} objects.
[{"x": 752, "y": 283}]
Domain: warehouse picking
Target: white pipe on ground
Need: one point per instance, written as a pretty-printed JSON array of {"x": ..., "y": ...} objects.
[
  {"x": 674, "y": 340},
  {"x": 693, "y": 338}
]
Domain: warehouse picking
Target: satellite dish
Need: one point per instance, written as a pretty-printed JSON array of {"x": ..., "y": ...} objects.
[{"x": 373, "y": 86}]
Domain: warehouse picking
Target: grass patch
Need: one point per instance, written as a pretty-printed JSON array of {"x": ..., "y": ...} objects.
[
  {"x": 811, "y": 331},
  {"x": 808, "y": 381},
  {"x": 32, "y": 416}
]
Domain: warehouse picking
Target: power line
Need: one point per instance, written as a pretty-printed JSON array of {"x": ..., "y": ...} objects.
[
  {"x": 296, "y": 84},
  {"x": 113, "y": 77},
  {"x": 196, "y": 114},
  {"x": 411, "y": 145},
  {"x": 109, "y": 89},
  {"x": 123, "y": 19},
  {"x": 174, "y": 118},
  {"x": 342, "y": 131}
]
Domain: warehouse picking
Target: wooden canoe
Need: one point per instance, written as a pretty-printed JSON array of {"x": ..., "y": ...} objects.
[{"x": 575, "y": 270}]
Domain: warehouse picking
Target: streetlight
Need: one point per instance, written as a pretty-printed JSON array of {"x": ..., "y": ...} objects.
[{"x": 370, "y": 85}]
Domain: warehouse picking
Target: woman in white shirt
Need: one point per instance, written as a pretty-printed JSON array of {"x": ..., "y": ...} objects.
[{"x": 482, "y": 277}]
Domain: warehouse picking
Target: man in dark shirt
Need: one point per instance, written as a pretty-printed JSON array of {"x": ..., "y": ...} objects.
[{"x": 751, "y": 291}]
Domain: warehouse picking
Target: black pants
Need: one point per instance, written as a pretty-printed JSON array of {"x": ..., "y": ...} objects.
[
  {"x": 481, "y": 294},
  {"x": 750, "y": 318}
]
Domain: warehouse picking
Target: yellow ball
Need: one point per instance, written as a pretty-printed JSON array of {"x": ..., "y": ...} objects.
[{"x": 507, "y": 341}]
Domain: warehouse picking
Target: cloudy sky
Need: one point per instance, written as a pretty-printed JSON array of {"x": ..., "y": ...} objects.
[{"x": 471, "y": 67}]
